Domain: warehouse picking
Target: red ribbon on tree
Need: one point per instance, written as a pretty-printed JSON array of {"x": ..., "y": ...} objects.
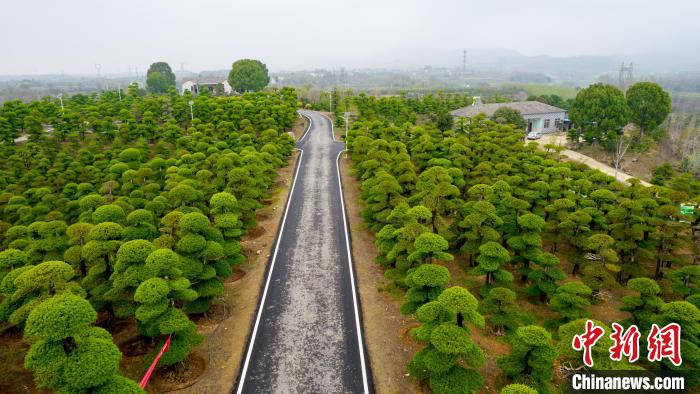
[{"x": 144, "y": 380}]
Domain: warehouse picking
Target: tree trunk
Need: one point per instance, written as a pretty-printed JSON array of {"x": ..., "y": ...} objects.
[
  {"x": 460, "y": 319},
  {"x": 575, "y": 270},
  {"x": 69, "y": 345}
]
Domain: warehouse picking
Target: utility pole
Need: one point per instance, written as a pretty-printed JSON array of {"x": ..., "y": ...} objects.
[
  {"x": 191, "y": 110},
  {"x": 119, "y": 92},
  {"x": 464, "y": 61}
]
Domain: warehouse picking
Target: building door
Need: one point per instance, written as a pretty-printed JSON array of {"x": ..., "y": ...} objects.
[{"x": 529, "y": 125}]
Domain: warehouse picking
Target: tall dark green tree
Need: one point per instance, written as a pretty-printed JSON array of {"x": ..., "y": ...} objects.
[
  {"x": 248, "y": 75},
  {"x": 649, "y": 105},
  {"x": 598, "y": 113},
  {"x": 159, "y": 77}
]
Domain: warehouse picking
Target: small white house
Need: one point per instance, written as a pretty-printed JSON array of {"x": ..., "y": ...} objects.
[
  {"x": 214, "y": 86},
  {"x": 539, "y": 116}
]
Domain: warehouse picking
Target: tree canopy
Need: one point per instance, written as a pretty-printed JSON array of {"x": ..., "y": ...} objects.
[{"x": 248, "y": 75}]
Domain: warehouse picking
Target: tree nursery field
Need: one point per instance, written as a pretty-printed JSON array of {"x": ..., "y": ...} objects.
[{"x": 125, "y": 210}]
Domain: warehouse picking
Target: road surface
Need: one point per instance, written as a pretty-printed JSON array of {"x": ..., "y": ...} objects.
[
  {"x": 307, "y": 337},
  {"x": 560, "y": 139}
]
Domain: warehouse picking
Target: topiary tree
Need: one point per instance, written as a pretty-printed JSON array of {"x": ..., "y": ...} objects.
[
  {"x": 129, "y": 272},
  {"x": 571, "y": 300},
  {"x": 425, "y": 284},
  {"x": 11, "y": 259},
  {"x": 517, "y": 388},
  {"x": 685, "y": 280},
  {"x": 646, "y": 306},
  {"x": 544, "y": 278},
  {"x": 139, "y": 226},
  {"x": 492, "y": 257},
  {"x": 223, "y": 210},
  {"x": 527, "y": 243},
  {"x": 501, "y": 310},
  {"x": 200, "y": 245},
  {"x": 507, "y": 115},
  {"x": 156, "y": 313},
  {"x": 27, "y": 287},
  {"x": 450, "y": 359},
  {"x": 599, "y": 272},
  {"x": 429, "y": 246},
  {"x": 478, "y": 226},
  {"x": 108, "y": 213},
  {"x": 531, "y": 357},
  {"x": 100, "y": 252},
  {"x": 78, "y": 236},
  {"x": 67, "y": 354},
  {"x": 687, "y": 316}
]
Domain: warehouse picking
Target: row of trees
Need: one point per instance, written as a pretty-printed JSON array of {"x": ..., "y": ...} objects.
[
  {"x": 600, "y": 112},
  {"x": 136, "y": 216},
  {"x": 534, "y": 228},
  {"x": 246, "y": 75}
]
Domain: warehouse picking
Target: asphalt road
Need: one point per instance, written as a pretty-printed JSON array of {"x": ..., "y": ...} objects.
[{"x": 307, "y": 338}]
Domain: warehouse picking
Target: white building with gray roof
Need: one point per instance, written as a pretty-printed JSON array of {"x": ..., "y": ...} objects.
[{"x": 539, "y": 116}]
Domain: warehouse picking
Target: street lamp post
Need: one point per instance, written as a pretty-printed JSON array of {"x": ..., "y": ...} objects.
[
  {"x": 60, "y": 98},
  {"x": 347, "y": 122},
  {"x": 191, "y": 110}
]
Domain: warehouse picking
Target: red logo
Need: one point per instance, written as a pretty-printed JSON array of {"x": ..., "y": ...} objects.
[
  {"x": 586, "y": 341},
  {"x": 665, "y": 343},
  {"x": 662, "y": 343},
  {"x": 626, "y": 343}
]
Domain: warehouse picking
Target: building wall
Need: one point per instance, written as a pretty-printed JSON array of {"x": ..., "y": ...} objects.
[
  {"x": 538, "y": 121},
  {"x": 187, "y": 86}
]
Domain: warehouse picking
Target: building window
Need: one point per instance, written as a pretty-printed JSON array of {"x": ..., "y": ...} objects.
[
  {"x": 546, "y": 123},
  {"x": 557, "y": 123}
]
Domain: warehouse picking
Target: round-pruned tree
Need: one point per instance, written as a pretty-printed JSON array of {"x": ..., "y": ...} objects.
[
  {"x": 248, "y": 75},
  {"x": 156, "y": 313},
  {"x": 508, "y": 115},
  {"x": 531, "y": 357},
  {"x": 425, "y": 283},
  {"x": 517, "y": 388},
  {"x": 450, "y": 358},
  {"x": 571, "y": 300},
  {"x": 68, "y": 354}
]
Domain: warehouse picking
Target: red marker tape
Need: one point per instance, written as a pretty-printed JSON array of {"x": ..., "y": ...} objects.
[{"x": 144, "y": 380}]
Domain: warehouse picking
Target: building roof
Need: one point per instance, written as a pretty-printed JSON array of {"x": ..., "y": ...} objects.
[{"x": 525, "y": 108}]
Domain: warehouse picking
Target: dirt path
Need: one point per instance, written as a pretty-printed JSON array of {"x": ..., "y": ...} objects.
[{"x": 560, "y": 140}]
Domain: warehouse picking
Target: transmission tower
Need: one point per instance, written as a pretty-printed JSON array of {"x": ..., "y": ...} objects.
[
  {"x": 464, "y": 61},
  {"x": 626, "y": 76}
]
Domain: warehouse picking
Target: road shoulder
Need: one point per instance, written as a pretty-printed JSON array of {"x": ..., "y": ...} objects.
[{"x": 385, "y": 330}]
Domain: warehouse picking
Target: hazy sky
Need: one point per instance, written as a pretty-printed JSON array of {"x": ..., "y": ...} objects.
[{"x": 48, "y": 36}]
